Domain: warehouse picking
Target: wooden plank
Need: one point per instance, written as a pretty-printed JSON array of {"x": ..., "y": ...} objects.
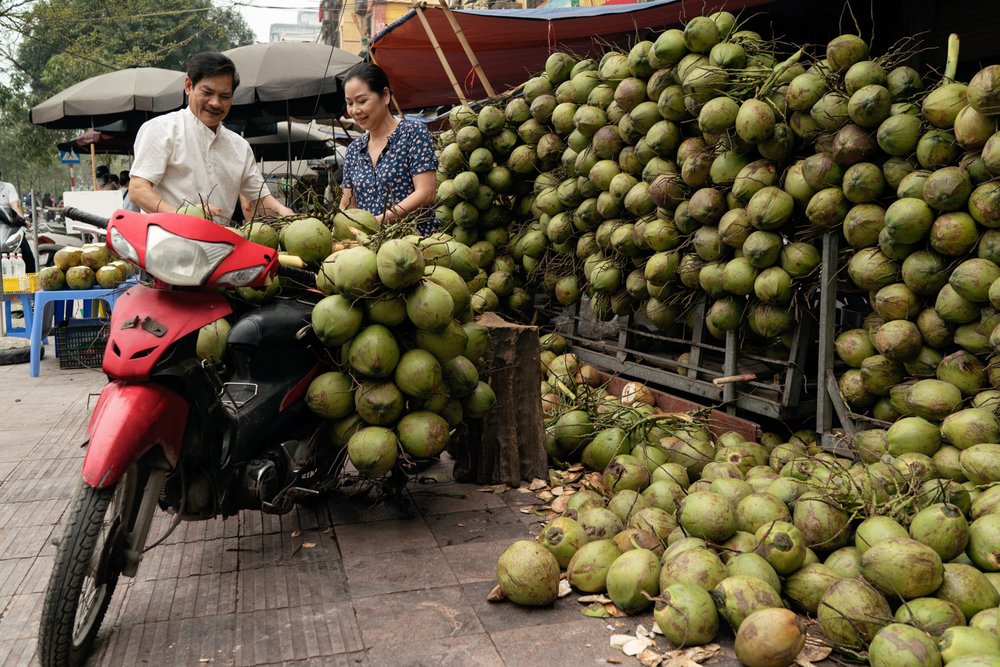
[
  {"x": 719, "y": 421},
  {"x": 827, "y": 331},
  {"x": 467, "y": 48},
  {"x": 440, "y": 54},
  {"x": 729, "y": 370}
]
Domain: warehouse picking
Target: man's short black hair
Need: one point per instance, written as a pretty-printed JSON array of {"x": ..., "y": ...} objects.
[{"x": 211, "y": 63}]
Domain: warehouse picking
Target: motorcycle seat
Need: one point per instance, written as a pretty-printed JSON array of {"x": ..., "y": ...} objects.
[{"x": 272, "y": 325}]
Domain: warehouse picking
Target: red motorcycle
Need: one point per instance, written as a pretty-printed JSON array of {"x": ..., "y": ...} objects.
[{"x": 198, "y": 438}]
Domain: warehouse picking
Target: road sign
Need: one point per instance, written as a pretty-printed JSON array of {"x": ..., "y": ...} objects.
[{"x": 69, "y": 157}]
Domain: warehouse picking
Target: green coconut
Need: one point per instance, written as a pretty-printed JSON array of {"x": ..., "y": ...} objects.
[
  {"x": 331, "y": 395},
  {"x": 336, "y": 320},
  {"x": 851, "y": 612},
  {"x": 587, "y": 570},
  {"x": 374, "y": 352},
  {"x": 686, "y": 615},
  {"x": 528, "y": 574},
  {"x": 373, "y": 451},
  {"x": 309, "y": 239}
]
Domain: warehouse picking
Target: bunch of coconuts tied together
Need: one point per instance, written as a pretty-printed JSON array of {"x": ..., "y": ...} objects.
[
  {"x": 894, "y": 550},
  {"x": 406, "y": 359}
]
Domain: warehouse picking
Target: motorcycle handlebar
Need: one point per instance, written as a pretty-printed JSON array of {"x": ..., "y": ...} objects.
[
  {"x": 300, "y": 275},
  {"x": 82, "y": 216}
]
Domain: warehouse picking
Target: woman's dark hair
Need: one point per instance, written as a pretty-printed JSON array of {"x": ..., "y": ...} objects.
[
  {"x": 211, "y": 63},
  {"x": 373, "y": 76}
]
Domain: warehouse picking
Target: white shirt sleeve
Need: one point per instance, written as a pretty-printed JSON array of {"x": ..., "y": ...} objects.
[
  {"x": 253, "y": 186},
  {"x": 153, "y": 147}
]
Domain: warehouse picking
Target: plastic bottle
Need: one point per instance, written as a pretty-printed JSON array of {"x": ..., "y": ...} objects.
[
  {"x": 20, "y": 272},
  {"x": 5, "y": 266}
]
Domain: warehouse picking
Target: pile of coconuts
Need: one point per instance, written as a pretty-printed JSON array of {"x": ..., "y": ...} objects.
[
  {"x": 887, "y": 562},
  {"x": 646, "y": 181},
  {"x": 406, "y": 358},
  {"x": 83, "y": 268},
  {"x": 896, "y": 561}
]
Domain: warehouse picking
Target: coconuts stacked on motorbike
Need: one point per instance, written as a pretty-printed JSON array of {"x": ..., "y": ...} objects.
[{"x": 200, "y": 438}]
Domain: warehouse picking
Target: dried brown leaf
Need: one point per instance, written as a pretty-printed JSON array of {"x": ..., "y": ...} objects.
[
  {"x": 296, "y": 532},
  {"x": 560, "y": 504},
  {"x": 814, "y": 652},
  {"x": 495, "y": 595},
  {"x": 308, "y": 545},
  {"x": 650, "y": 658},
  {"x": 538, "y": 484},
  {"x": 496, "y": 488},
  {"x": 546, "y": 495},
  {"x": 576, "y": 467},
  {"x": 587, "y": 599},
  {"x": 614, "y": 661},
  {"x": 616, "y": 612}
]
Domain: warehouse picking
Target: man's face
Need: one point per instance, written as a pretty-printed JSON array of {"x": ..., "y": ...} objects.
[{"x": 210, "y": 99}]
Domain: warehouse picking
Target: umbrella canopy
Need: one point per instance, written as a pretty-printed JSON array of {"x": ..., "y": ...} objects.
[
  {"x": 104, "y": 143},
  {"x": 282, "y": 79},
  {"x": 305, "y": 142},
  {"x": 136, "y": 94}
]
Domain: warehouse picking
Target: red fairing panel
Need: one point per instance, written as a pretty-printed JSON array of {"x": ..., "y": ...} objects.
[
  {"x": 145, "y": 322},
  {"x": 244, "y": 255},
  {"x": 128, "y": 421}
]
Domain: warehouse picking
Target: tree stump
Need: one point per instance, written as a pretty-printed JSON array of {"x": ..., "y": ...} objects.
[{"x": 508, "y": 445}]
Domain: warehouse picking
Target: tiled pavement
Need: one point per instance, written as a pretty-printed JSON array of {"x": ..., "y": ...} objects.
[{"x": 347, "y": 583}]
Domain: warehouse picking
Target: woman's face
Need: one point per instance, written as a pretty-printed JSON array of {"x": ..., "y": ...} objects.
[{"x": 367, "y": 107}]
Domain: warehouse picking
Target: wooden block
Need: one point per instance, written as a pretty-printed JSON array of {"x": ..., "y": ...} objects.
[{"x": 508, "y": 445}]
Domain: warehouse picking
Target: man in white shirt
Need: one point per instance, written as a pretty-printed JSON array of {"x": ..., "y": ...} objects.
[
  {"x": 189, "y": 158},
  {"x": 10, "y": 201}
]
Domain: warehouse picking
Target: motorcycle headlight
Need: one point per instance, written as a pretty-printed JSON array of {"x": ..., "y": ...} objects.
[{"x": 181, "y": 261}]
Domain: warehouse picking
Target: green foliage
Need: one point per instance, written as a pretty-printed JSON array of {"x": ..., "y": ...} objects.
[{"x": 63, "y": 42}]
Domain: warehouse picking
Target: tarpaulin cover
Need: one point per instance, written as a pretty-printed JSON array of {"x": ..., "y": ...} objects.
[{"x": 513, "y": 44}]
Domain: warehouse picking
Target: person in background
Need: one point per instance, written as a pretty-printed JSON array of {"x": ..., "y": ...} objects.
[
  {"x": 389, "y": 170},
  {"x": 10, "y": 201},
  {"x": 189, "y": 157},
  {"x": 48, "y": 203},
  {"x": 123, "y": 181},
  {"x": 112, "y": 184},
  {"x": 102, "y": 174}
]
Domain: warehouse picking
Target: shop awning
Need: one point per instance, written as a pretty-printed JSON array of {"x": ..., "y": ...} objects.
[{"x": 511, "y": 44}]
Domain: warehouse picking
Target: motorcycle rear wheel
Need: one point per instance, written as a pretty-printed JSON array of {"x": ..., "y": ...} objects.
[{"x": 88, "y": 563}]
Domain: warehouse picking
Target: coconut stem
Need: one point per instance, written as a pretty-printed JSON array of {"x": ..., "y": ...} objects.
[{"x": 951, "y": 65}]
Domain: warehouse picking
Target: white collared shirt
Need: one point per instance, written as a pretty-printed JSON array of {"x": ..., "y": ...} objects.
[{"x": 188, "y": 163}]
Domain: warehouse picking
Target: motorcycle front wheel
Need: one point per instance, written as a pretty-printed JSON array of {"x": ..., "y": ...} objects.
[{"x": 88, "y": 562}]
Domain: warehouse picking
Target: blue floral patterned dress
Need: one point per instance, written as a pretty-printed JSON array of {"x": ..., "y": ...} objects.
[{"x": 409, "y": 151}]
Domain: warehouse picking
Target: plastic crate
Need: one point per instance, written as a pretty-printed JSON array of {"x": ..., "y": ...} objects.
[
  {"x": 81, "y": 343},
  {"x": 11, "y": 286}
]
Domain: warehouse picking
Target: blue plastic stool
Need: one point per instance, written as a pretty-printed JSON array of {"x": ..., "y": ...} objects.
[
  {"x": 25, "y": 299},
  {"x": 109, "y": 296}
]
